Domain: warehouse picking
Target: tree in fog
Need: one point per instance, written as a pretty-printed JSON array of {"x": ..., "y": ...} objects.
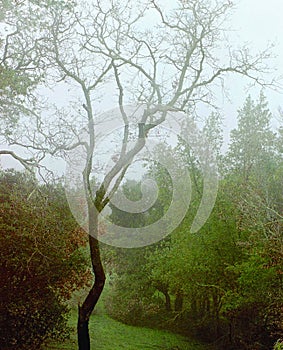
[{"x": 174, "y": 66}]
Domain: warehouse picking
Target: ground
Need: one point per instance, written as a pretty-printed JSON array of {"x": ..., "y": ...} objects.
[{"x": 108, "y": 334}]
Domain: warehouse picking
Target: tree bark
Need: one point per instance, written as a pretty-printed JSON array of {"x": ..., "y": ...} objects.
[
  {"x": 164, "y": 290},
  {"x": 179, "y": 301},
  {"x": 93, "y": 296},
  {"x": 167, "y": 301}
]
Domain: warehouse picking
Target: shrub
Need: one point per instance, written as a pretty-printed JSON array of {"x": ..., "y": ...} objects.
[{"x": 42, "y": 261}]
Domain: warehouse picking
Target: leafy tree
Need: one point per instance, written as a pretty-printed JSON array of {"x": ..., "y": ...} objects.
[
  {"x": 254, "y": 193},
  {"x": 252, "y": 143},
  {"x": 132, "y": 298}
]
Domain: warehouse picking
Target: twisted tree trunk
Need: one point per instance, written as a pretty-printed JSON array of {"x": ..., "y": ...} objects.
[{"x": 93, "y": 296}]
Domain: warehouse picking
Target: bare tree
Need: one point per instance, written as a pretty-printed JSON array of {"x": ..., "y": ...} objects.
[{"x": 174, "y": 65}]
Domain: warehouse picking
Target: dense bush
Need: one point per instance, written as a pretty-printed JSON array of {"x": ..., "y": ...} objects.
[{"x": 42, "y": 261}]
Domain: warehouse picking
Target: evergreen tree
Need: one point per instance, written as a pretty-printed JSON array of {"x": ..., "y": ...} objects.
[{"x": 252, "y": 142}]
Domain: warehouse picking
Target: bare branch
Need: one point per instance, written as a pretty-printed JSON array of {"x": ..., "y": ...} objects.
[{"x": 27, "y": 163}]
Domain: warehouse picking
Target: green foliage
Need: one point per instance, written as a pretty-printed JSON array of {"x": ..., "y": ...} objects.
[
  {"x": 224, "y": 283},
  {"x": 131, "y": 300},
  {"x": 278, "y": 345},
  {"x": 252, "y": 142}
]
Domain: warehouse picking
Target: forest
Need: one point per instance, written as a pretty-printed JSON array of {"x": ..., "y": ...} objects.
[{"x": 70, "y": 276}]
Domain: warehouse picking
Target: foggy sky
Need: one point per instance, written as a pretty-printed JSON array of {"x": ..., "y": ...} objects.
[{"x": 256, "y": 22}]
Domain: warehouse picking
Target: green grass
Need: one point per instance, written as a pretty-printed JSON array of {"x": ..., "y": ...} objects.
[{"x": 108, "y": 334}]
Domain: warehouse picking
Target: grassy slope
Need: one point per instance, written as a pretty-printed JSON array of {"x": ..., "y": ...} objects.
[{"x": 108, "y": 334}]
